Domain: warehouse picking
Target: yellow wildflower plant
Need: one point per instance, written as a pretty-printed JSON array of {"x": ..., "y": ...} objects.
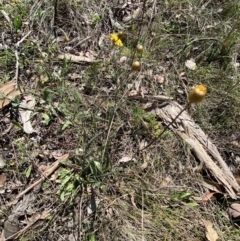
[
  {"x": 197, "y": 94},
  {"x": 116, "y": 40}
]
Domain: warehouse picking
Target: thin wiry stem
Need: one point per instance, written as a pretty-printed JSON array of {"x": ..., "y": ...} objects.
[{"x": 166, "y": 128}]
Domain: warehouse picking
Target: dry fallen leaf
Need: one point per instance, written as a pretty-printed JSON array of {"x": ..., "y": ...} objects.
[
  {"x": 159, "y": 78},
  {"x": 122, "y": 59},
  {"x": 190, "y": 64},
  {"x": 8, "y": 91},
  {"x": 136, "y": 14},
  {"x": 2, "y": 162},
  {"x": 26, "y": 108},
  {"x": 208, "y": 197},
  {"x": 211, "y": 234},
  {"x": 126, "y": 159},
  {"x": 166, "y": 181},
  {"x": 101, "y": 38},
  {"x": 76, "y": 58}
]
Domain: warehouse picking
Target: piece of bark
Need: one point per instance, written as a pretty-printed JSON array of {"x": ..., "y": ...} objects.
[{"x": 200, "y": 143}]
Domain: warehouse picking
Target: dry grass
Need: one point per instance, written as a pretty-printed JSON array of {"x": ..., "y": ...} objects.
[{"x": 156, "y": 196}]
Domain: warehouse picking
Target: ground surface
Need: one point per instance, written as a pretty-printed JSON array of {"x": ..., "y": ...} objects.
[{"x": 87, "y": 128}]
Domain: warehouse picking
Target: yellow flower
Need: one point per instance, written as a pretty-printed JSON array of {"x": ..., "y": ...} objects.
[
  {"x": 197, "y": 94},
  {"x": 116, "y": 40}
]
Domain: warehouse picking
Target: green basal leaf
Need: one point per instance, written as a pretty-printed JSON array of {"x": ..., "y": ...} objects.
[
  {"x": 66, "y": 125},
  {"x": 192, "y": 204}
]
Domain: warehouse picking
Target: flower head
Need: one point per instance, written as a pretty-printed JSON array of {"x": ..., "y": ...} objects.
[
  {"x": 197, "y": 94},
  {"x": 136, "y": 65},
  {"x": 116, "y": 40},
  {"x": 139, "y": 48}
]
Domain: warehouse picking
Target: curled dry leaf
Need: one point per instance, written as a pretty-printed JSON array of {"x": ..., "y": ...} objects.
[
  {"x": 26, "y": 108},
  {"x": 211, "y": 234},
  {"x": 8, "y": 91},
  {"x": 142, "y": 144},
  {"x": 122, "y": 59},
  {"x": 144, "y": 165}
]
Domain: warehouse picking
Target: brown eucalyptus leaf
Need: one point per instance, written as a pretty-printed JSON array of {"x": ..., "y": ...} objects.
[{"x": 8, "y": 91}]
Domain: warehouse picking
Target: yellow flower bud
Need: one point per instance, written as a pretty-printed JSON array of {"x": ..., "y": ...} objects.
[
  {"x": 139, "y": 48},
  {"x": 197, "y": 94},
  {"x": 136, "y": 66}
]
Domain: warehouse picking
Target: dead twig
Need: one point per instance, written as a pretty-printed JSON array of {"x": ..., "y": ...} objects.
[{"x": 16, "y": 56}]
